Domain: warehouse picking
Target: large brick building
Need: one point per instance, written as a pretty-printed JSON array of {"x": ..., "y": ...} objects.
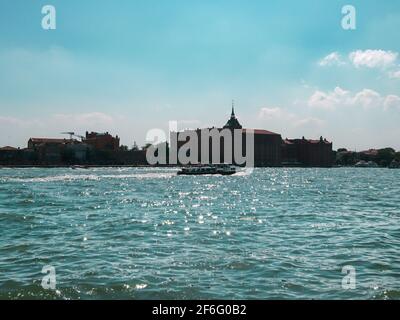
[
  {"x": 47, "y": 150},
  {"x": 307, "y": 153},
  {"x": 267, "y": 144},
  {"x": 102, "y": 141},
  {"x": 57, "y": 151},
  {"x": 269, "y": 148}
]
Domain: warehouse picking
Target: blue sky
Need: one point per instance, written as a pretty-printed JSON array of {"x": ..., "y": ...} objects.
[{"x": 130, "y": 66}]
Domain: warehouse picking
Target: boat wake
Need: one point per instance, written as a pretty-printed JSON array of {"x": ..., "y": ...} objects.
[
  {"x": 244, "y": 172},
  {"x": 91, "y": 177}
]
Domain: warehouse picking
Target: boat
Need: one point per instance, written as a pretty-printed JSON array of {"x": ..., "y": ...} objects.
[
  {"x": 212, "y": 169},
  {"x": 365, "y": 164},
  {"x": 74, "y": 167}
]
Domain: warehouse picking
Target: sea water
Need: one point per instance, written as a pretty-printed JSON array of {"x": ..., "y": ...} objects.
[{"x": 146, "y": 233}]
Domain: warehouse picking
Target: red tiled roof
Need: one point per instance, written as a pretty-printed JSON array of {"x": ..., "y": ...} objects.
[
  {"x": 49, "y": 140},
  {"x": 260, "y": 131}
]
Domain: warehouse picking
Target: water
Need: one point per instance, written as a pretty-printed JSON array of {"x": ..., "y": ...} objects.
[{"x": 137, "y": 233}]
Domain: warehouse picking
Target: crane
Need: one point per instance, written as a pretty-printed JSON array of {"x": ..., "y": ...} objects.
[{"x": 71, "y": 134}]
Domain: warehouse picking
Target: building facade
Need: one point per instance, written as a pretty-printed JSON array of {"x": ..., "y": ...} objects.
[
  {"x": 307, "y": 153},
  {"x": 47, "y": 150},
  {"x": 102, "y": 141},
  {"x": 267, "y": 145}
]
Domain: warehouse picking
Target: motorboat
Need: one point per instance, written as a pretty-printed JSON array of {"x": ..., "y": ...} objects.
[
  {"x": 74, "y": 167},
  {"x": 211, "y": 169}
]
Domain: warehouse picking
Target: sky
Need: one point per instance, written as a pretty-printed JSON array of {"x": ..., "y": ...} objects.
[{"x": 127, "y": 67}]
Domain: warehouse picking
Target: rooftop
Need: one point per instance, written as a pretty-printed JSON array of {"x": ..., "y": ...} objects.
[
  {"x": 49, "y": 140},
  {"x": 312, "y": 141},
  {"x": 8, "y": 148},
  {"x": 261, "y": 132}
]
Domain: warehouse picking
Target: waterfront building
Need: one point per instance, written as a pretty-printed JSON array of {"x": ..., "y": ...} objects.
[
  {"x": 267, "y": 144},
  {"x": 307, "y": 153},
  {"x": 8, "y": 154},
  {"x": 35, "y": 143},
  {"x": 102, "y": 141},
  {"x": 48, "y": 150},
  {"x": 58, "y": 151}
]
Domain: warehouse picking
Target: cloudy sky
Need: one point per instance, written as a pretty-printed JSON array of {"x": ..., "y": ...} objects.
[{"x": 130, "y": 66}]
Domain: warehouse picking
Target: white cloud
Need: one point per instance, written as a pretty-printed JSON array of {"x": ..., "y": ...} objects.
[
  {"x": 309, "y": 122},
  {"x": 339, "y": 97},
  {"x": 10, "y": 121},
  {"x": 79, "y": 120},
  {"x": 93, "y": 119},
  {"x": 13, "y": 122},
  {"x": 274, "y": 113},
  {"x": 332, "y": 59},
  {"x": 391, "y": 101},
  {"x": 394, "y": 74},
  {"x": 288, "y": 118},
  {"x": 328, "y": 100},
  {"x": 373, "y": 58},
  {"x": 367, "y": 98}
]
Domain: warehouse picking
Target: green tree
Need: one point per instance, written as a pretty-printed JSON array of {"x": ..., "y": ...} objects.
[{"x": 385, "y": 156}]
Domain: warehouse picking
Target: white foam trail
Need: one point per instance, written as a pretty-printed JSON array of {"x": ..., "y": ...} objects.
[
  {"x": 93, "y": 177},
  {"x": 244, "y": 172}
]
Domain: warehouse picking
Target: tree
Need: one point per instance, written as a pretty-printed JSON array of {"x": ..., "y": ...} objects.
[{"x": 385, "y": 156}]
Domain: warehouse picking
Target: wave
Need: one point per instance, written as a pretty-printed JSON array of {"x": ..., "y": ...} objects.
[{"x": 89, "y": 177}]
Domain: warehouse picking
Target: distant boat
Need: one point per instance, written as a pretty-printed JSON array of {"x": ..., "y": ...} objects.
[
  {"x": 365, "y": 164},
  {"x": 213, "y": 169},
  {"x": 79, "y": 167}
]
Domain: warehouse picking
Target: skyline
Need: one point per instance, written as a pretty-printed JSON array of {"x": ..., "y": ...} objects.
[{"x": 130, "y": 68}]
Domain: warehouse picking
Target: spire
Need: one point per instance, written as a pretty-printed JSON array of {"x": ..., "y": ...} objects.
[{"x": 233, "y": 123}]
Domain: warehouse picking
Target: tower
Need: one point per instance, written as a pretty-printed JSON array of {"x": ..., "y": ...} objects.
[{"x": 233, "y": 122}]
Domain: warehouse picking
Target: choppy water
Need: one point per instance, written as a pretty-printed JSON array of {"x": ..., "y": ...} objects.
[{"x": 146, "y": 233}]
